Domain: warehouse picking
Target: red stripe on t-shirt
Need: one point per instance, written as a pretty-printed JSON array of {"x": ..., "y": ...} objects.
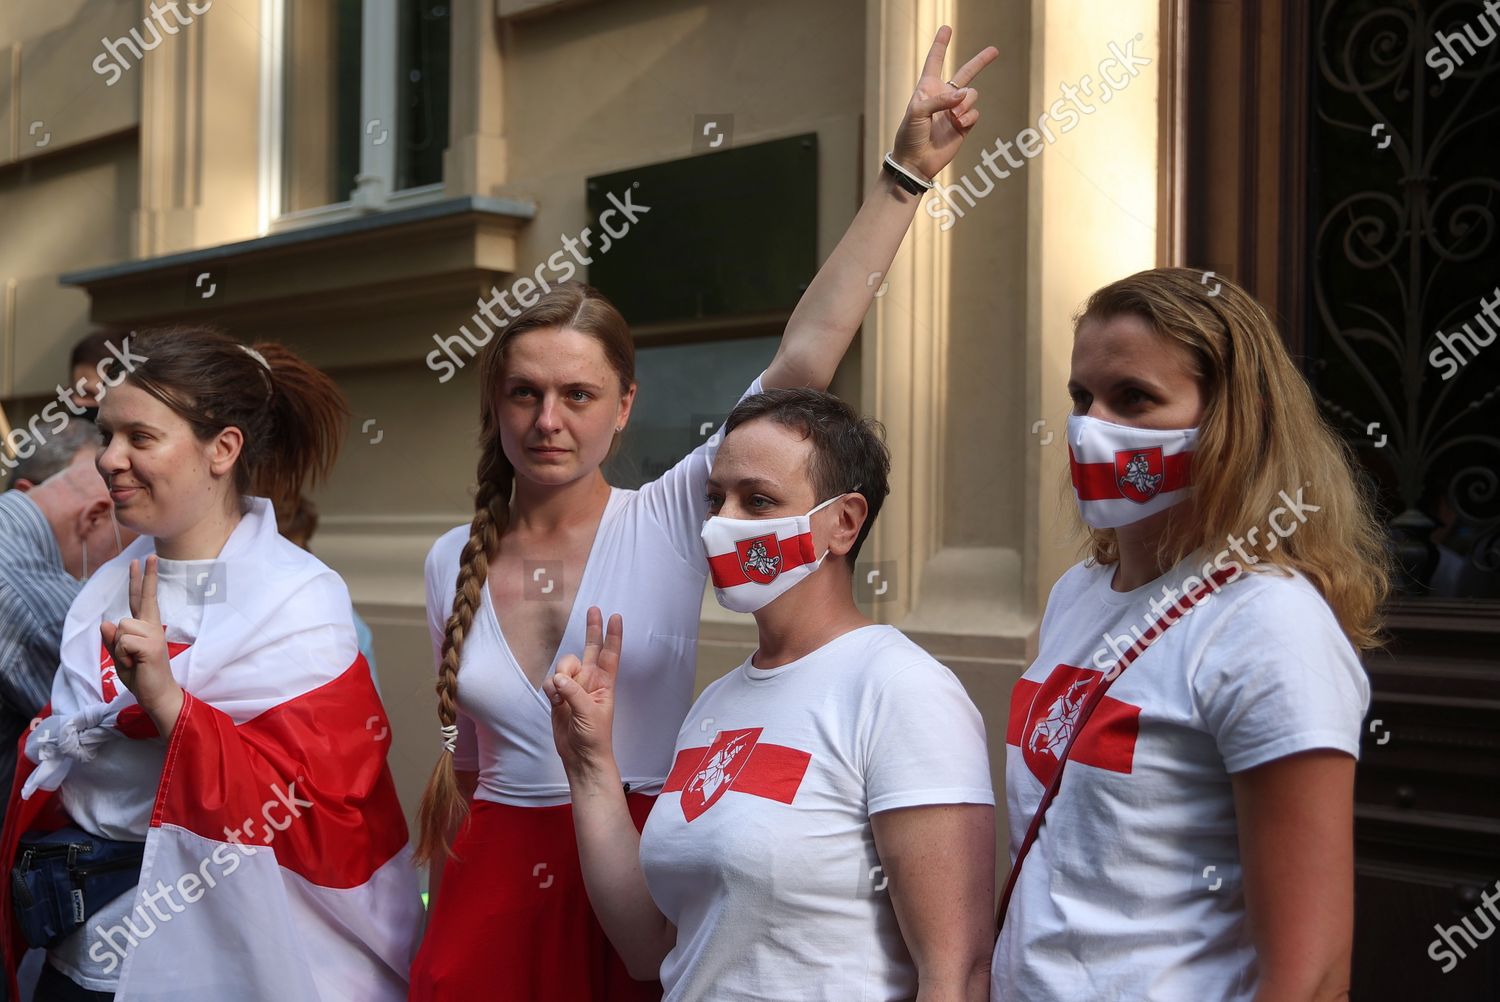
[
  {"x": 1107, "y": 740},
  {"x": 307, "y": 777},
  {"x": 772, "y": 771},
  {"x": 1099, "y": 482},
  {"x": 683, "y": 767},
  {"x": 1021, "y": 698}
]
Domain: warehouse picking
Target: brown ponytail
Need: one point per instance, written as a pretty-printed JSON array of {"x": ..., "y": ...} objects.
[
  {"x": 571, "y": 306},
  {"x": 308, "y": 416},
  {"x": 292, "y": 416}
]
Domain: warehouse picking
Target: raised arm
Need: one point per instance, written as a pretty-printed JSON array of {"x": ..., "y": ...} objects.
[
  {"x": 831, "y": 310},
  {"x": 609, "y": 847}
]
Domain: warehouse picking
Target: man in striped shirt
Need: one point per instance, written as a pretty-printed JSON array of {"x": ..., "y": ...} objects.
[{"x": 50, "y": 537}]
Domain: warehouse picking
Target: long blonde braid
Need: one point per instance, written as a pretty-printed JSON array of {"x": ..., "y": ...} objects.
[{"x": 443, "y": 807}]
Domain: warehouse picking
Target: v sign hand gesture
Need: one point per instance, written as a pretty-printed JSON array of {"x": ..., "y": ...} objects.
[
  {"x": 139, "y": 648},
  {"x": 583, "y": 699},
  {"x": 941, "y": 111}
]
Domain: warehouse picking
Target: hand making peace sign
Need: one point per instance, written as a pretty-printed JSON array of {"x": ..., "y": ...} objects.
[
  {"x": 941, "y": 111},
  {"x": 583, "y": 696},
  {"x": 139, "y": 648}
]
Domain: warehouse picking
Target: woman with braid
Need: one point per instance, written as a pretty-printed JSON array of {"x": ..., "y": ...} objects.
[{"x": 510, "y": 918}]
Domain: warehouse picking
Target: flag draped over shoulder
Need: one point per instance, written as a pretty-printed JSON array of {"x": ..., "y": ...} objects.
[{"x": 276, "y": 865}]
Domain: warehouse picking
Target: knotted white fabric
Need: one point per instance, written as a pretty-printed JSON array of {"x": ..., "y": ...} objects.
[{"x": 57, "y": 742}]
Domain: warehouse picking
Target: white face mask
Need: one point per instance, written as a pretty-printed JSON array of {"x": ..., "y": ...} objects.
[
  {"x": 753, "y": 561},
  {"x": 1123, "y": 474}
]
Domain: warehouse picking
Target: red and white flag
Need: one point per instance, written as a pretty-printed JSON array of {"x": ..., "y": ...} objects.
[{"x": 276, "y": 864}]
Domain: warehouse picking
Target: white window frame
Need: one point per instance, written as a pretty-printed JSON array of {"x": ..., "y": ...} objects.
[{"x": 375, "y": 182}]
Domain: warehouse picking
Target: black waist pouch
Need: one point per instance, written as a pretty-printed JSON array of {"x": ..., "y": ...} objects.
[{"x": 62, "y": 877}]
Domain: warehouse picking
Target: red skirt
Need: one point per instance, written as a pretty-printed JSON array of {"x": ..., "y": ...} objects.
[{"x": 512, "y": 920}]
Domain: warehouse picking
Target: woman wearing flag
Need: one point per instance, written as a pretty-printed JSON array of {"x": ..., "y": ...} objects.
[
  {"x": 556, "y": 390},
  {"x": 1198, "y": 676},
  {"x": 211, "y": 781}
]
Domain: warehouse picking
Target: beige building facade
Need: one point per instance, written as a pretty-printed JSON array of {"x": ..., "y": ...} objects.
[{"x": 199, "y": 178}]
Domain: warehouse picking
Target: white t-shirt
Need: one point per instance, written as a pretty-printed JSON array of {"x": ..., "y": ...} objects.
[
  {"x": 112, "y": 794},
  {"x": 1132, "y": 889},
  {"x": 760, "y": 849},
  {"x": 648, "y": 565}
]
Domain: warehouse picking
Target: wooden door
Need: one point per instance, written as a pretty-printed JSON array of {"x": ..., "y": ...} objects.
[{"x": 1327, "y": 156}]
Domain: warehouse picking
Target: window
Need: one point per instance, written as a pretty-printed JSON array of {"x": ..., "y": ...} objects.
[
  {"x": 685, "y": 392},
  {"x": 320, "y": 104},
  {"x": 355, "y": 106},
  {"x": 423, "y": 120}
]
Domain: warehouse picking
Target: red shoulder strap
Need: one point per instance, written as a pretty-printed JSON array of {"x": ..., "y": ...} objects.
[{"x": 1181, "y": 608}]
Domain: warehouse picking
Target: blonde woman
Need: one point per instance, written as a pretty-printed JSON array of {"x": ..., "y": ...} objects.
[
  {"x": 1198, "y": 676},
  {"x": 511, "y": 918}
]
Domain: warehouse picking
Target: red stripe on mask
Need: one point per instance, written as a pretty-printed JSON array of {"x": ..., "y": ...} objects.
[
  {"x": 728, "y": 573},
  {"x": 1098, "y": 481}
]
